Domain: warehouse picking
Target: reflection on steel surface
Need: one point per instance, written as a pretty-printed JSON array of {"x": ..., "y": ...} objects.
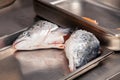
[
  {"x": 110, "y": 3},
  {"x": 5, "y": 3},
  {"x": 57, "y": 1},
  {"x": 116, "y": 76}
]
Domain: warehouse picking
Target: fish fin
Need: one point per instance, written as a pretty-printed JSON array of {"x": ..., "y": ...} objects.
[
  {"x": 72, "y": 65},
  {"x": 63, "y": 31},
  {"x": 61, "y": 47},
  {"x": 57, "y": 45}
]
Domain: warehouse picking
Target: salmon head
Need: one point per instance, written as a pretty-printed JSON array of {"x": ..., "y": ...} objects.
[{"x": 42, "y": 34}]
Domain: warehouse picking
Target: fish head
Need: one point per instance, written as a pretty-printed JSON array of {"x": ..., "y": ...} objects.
[
  {"x": 35, "y": 33},
  {"x": 42, "y": 34},
  {"x": 30, "y": 40}
]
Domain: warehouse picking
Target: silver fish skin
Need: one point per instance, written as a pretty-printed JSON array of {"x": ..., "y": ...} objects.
[
  {"x": 42, "y": 34},
  {"x": 80, "y": 48}
]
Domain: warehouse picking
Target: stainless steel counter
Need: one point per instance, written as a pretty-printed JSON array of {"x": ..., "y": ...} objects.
[
  {"x": 21, "y": 14},
  {"x": 16, "y": 16},
  {"x": 88, "y": 8}
]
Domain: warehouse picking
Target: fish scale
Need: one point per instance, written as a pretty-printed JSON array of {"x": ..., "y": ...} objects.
[{"x": 80, "y": 48}]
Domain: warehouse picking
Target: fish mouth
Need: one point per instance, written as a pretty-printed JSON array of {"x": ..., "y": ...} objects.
[{"x": 17, "y": 42}]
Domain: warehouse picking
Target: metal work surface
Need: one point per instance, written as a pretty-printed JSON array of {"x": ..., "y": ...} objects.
[
  {"x": 21, "y": 15},
  {"x": 47, "y": 64},
  {"x": 5, "y": 3},
  {"x": 104, "y": 17},
  {"x": 16, "y": 17}
]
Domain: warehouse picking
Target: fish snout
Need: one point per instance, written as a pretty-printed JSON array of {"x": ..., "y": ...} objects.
[{"x": 20, "y": 44}]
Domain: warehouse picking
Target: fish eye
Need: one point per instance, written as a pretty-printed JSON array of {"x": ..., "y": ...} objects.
[
  {"x": 24, "y": 33},
  {"x": 28, "y": 34}
]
